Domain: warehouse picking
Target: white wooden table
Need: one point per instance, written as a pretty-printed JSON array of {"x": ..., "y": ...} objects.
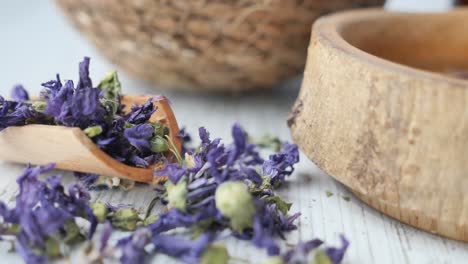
[{"x": 36, "y": 42}]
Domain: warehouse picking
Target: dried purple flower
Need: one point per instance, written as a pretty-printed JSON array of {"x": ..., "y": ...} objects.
[
  {"x": 87, "y": 179},
  {"x": 105, "y": 236},
  {"x": 300, "y": 254},
  {"x": 263, "y": 236},
  {"x": 172, "y": 219},
  {"x": 43, "y": 210},
  {"x": 280, "y": 165},
  {"x": 19, "y": 94},
  {"x": 189, "y": 251},
  {"x": 52, "y": 87},
  {"x": 139, "y": 136},
  {"x": 85, "y": 81},
  {"x": 28, "y": 255},
  {"x": 173, "y": 171},
  {"x": 141, "y": 113},
  {"x": 186, "y": 139},
  {"x": 336, "y": 254},
  {"x": 57, "y": 100},
  {"x": 16, "y": 113},
  {"x": 85, "y": 103},
  {"x": 133, "y": 247}
]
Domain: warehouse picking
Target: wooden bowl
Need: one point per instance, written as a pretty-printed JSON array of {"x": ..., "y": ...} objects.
[
  {"x": 381, "y": 111},
  {"x": 220, "y": 45}
]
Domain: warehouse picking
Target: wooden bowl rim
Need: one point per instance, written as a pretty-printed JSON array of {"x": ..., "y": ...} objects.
[{"x": 329, "y": 29}]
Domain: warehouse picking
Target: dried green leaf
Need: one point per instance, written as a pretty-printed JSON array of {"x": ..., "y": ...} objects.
[
  {"x": 281, "y": 205},
  {"x": 111, "y": 85},
  {"x": 215, "y": 254}
]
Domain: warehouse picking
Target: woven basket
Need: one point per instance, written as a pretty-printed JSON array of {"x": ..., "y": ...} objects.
[{"x": 223, "y": 45}]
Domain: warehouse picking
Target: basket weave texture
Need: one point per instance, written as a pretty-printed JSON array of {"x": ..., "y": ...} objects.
[{"x": 222, "y": 45}]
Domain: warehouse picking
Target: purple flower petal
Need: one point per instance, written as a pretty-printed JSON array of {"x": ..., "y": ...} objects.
[
  {"x": 57, "y": 103},
  {"x": 139, "y": 136},
  {"x": 141, "y": 113},
  {"x": 240, "y": 138},
  {"x": 172, "y": 219},
  {"x": 204, "y": 136},
  {"x": 336, "y": 254},
  {"x": 138, "y": 161},
  {"x": 263, "y": 236},
  {"x": 93, "y": 220},
  {"x": 19, "y": 94},
  {"x": 300, "y": 254},
  {"x": 173, "y": 171},
  {"x": 42, "y": 210},
  {"x": 186, "y": 250},
  {"x": 52, "y": 86},
  {"x": 85, "y": 103},
  {"x": 28, "y": 255},
  {"x": 105, "y": 236},
  {"x": 85, "y": 81},
  {"x": 87, "y": 179},
  {"x": 280, "y": 165},
  {"x": 133, "y": 247}
]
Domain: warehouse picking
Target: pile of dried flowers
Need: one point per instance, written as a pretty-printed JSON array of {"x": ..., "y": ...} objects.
[
  {"x": 213, "y": 188},
  {"x": 128, "y": 138}
]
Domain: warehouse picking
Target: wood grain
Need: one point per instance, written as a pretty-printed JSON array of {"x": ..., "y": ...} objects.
[
  {"x": 71, "y": 149},
  {"x": 396, "y": 135}
]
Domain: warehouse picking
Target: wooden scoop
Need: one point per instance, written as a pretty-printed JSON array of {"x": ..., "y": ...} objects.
[{"x": 71, "y": 149}]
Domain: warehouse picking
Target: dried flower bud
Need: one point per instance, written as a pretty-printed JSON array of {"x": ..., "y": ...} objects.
[
  {"x": 126, "y": 219},
  {"x": 177, "y": 194},
  {"x": 39, "y": 106},
  {"x": 215, "y": 254},
  {"x": 321, "y": 258},
  {"x": 93, "y": 131},
  {"x": 235, "y": 202},
  {"x": 158, "y": 144},
  {"x": 189, "y": 161},
  {"x": 100, "y": 211}
]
